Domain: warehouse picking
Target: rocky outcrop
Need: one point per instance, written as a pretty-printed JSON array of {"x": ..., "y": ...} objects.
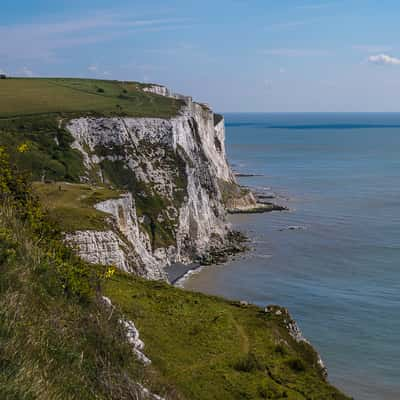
[
  {"x": 126, "y": 246},
  {"x": 295, "y": 332},
  {"x": 157, "y": 89},
  {"x": 133, "y": 338},
  {"x": 172, "y": 170}
]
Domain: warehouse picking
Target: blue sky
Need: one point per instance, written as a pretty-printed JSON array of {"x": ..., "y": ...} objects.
[{"x": 237, "y": 55}]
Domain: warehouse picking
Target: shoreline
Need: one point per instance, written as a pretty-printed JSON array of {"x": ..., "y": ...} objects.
[{"x": 179, "y": 274}]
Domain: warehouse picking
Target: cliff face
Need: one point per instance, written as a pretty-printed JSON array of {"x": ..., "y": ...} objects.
[
  {"x": 126, "y": 246},
  {"x": 172, "y": 171}
]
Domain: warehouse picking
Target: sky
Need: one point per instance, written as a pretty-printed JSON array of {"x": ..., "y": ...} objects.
[{"x": 236, "y": 55}]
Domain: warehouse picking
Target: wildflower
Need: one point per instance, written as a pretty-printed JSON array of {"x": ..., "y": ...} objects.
[
  {"x": 23, "y": 148},
  {"x": 109, "y": 273}
]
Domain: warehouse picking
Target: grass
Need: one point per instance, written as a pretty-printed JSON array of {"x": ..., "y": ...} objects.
[
  {"x": 230, "y": 192},
  {"x": 59, "y": 346},
  {"x": 58, "y": 341},
  {"x": 49, "y": 154},
  {"x": 209, "y": 348},
  {"x": 55, "y": 345},
  {"x": 71, "y": 205},
  {"x": 35, "y": 96}
]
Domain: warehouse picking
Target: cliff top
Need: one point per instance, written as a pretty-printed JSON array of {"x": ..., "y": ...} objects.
[
  {"x": 58, "y": 338},
  {"x": 71, "y": 205},
  {"x": 39, "y": 96}
]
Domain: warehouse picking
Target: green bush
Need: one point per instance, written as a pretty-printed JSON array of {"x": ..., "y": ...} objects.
[
  {"x": 248, "y": 363},
  {"x": 297, "y": 365}
]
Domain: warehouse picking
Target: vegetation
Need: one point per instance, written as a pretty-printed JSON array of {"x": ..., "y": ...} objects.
[
  {"x": 49, "y": 155},
  {"x": 33, "y": 96},
  {"x": 57, "y": 338},
  {"x": 210, "y": 348},
  {"x": 71, "y": 205},
  {"x": 150, "y": 204},
  {"x": 230, "y": 192}
]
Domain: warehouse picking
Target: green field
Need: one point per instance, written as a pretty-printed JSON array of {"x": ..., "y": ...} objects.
[
  {"x": 71, "y": 205},
  {"x": 35, "y": 111},
  {"x": 210, "y": 348},
  {"x": 33, "y": 96}
]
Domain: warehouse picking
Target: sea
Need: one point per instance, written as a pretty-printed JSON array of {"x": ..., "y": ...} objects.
[{"x": 334, "y": 258}]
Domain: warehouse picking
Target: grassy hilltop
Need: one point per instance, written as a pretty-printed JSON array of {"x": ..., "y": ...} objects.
[
  {"x": 36, "y": 110},
  {"x": 57, "y": 339},
  {"x": 38, "y": 96}
]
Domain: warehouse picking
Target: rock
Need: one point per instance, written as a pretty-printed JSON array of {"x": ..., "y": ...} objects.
[
  {"x": 132, "y": 334},
  {"x": 244, "y": 303},
  {"x": 143, "y": 145},
  {"x": 295, "y": 332}
]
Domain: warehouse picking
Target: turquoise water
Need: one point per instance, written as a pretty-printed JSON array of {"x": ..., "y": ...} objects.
[{"x": 339, "y": 272}]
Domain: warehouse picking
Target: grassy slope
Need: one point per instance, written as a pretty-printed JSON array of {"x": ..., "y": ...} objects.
[
  {"x": 57, "y": 347},
  {"x": 210, "y": 348},
  {"x": 71, "y": 205},
  {"x": 33, "y": 96},
  {"x": 35, "y": 111}
]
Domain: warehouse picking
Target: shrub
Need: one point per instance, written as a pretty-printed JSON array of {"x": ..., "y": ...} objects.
[
  {"x": 280, "y": 349},
  {"x": 297, "y": 365},
  {"x": 248, "y": 363},
  {"x": 75, "y": 277}
]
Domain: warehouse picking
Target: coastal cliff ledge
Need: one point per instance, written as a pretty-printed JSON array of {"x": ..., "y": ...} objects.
[{"x": 132, "y": 177}]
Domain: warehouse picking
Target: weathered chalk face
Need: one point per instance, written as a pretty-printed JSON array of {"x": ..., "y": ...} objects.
[{"x": 172, "y": 171}]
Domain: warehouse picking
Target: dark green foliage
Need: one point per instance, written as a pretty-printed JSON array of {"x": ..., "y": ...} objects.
[
  {"x": 297, "y": 365},
  {"x": 50, "y": 156},
  {"x": 248, "y": 363},
  {"x": 58, "y": 341},
  {"x": 280, "y": 349}
]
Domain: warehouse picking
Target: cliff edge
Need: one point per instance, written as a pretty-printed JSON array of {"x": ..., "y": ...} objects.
[
  {"x": 173, "y": 171},
  {"x": 133, "y": 177}
]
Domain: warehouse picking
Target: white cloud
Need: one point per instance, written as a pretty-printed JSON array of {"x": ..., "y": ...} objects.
[
  {"x": 282, "y": 70},
  {"x": 384, "y": 59},
  {"x": 287, "y": 25},
  {"x": 293, "y": 52},
  {"x": 372, "y": 48},
  {"x": 95, "y": 69},
  {"x": 180, "y": 48},
  {"x": 41, "y": 41},
  {"x": 316, "y": 6}
]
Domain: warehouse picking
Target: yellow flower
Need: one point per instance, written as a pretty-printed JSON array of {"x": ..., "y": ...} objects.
[
  {"x": 109, "y": 273},
  {"x": 23, "y": 148}
]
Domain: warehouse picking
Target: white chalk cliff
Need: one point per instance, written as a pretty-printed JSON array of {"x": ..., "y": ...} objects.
[{"x": 171, "y": 170}]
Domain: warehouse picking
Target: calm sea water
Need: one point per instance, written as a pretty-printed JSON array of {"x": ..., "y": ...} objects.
[{"x": 339, "y": 272}]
